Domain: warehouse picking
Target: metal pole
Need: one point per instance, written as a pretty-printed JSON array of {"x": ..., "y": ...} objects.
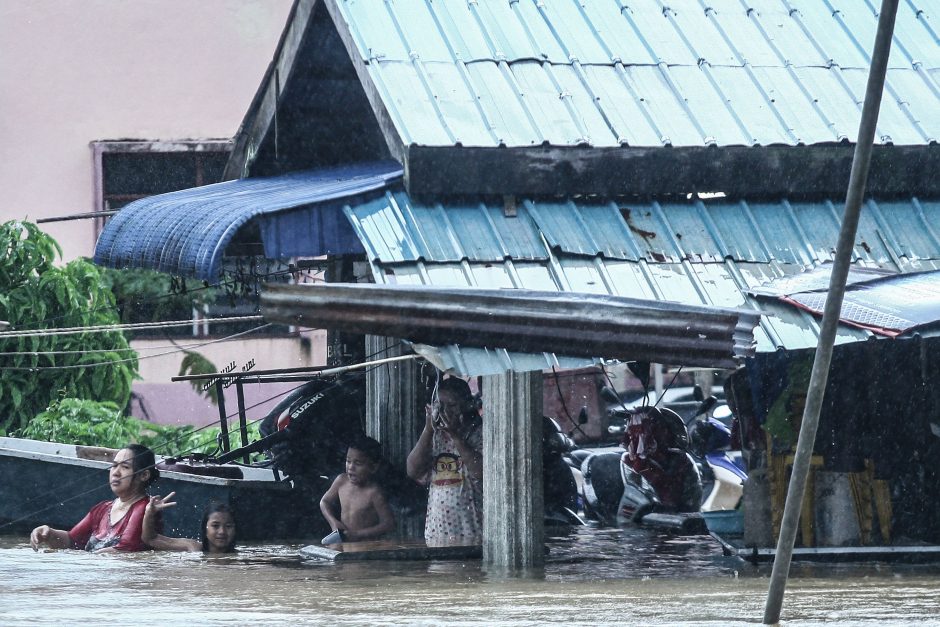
[
  {"x": 830, "y": 320},
  {"x": 223, "y": 417},
  {"x": 242, "y": 418}
]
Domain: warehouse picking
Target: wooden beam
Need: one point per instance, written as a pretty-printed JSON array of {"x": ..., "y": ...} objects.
[
  {"x": 392, "y": 138},
  {"x": 735, "y": 170},
  {"x": 260, "y": 115}
]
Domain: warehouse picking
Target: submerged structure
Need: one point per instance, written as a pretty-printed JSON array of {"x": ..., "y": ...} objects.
[{"x": 692, "y": 153}]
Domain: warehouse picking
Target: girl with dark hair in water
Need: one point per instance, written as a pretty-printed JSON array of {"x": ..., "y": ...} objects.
[
  {"x": 111, "y": 525},
  {"x": 217, "y": 534}
]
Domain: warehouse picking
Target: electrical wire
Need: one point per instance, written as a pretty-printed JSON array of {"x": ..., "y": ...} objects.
[
  {"x": 194, "y": 345},
  {"x": 564, "y": 405},
  {"x": 158, "y": 446},
  {"x": 95, "y": 364},
  {"x": 227, "y": 338},
  {"x": 105, "y": 328},
  {"x": 155, "y": 447},
  {"x": 220, "y": 285}
]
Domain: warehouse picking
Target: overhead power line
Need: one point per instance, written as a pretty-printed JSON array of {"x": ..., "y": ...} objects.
[
  {"x": 105, "y": 328},
  {"x": 139, "y": 349}
]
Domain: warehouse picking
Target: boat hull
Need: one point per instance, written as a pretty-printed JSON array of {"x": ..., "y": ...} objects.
[{"x": 56, "y": 484}]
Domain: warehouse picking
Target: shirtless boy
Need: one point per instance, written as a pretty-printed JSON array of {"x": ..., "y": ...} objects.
[{"x": 355, "y": 504}]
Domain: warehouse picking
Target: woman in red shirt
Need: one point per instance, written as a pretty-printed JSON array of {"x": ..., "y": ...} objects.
[{"x": 111, "y": 525}]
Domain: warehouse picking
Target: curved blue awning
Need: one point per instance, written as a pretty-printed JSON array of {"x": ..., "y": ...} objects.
[{"x": 185, "y": 233}]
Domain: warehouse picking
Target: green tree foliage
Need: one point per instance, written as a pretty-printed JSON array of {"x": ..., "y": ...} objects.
[
  {"x": 150, "y": 296},
  {"x": 90, "y": 423},
  {"x": 195, "y": 363},
  {"x": 36, "y": 294}
]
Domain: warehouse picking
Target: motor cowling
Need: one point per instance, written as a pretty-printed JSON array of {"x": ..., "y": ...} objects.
[{"x": 321, "y": 418}]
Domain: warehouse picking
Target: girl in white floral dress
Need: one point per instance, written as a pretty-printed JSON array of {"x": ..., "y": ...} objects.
[{"x": 449, "y": 458}]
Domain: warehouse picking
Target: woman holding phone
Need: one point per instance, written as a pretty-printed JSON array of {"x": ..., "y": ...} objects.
[{"x": 449, "y": 459}]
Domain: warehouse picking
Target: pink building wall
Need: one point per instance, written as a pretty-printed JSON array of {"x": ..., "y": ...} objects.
[{"x": 75, "y": 71}]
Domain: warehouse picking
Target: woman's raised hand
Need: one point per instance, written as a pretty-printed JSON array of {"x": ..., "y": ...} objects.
[
  {"x": 40, "y": 535},
  {"x": 160, "y": 503}
]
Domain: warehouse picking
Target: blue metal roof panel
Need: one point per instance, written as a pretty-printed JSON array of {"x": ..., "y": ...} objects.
[
  {"x": 698, "y": 32},
  {"x": 417, "y": 28},
  {"x": 589, "y": 114},
  {"x": 917, "y": 98},
  {"x": 745, "y": 33},
  {"x": 398, "y": 229},
  {"x": 517, "y": 31},
  {"x": 660, "y": 38},
  {"x": 914, "y": 19},
  {"x": 632, "y": 120},
  {"x": 826, "y": 34},
  {"x": 839, "y": 105},
  {"x": 895, "y": 123},
  {"x": 412, "y": 101},
  {"x": 583, "y": 229},
  {"x": 615, "y": 34},
  {"x": 548, "y": 104},
  {"x": 699, "y": 252},
  {"x": 569, "y": 25},
  {"x": 668, "y": 108},
  {"x": 502, "y": 105},
  {"x": 802, "y": 114},
  {"x": 712, "y": 108},
  {"x": 917, "y": 224},
  {"x": 859, "y": 22},
  {"x": 758, "y": 111},
  {"x": 799, "y": 233},
  {"x": 185, "y": 233},
  {"x": 730, "y": 72},
  {"x": 783, "y": 33},
  {"x": 461, "y": 31},
  {"x": 374, "y": 30},
  {"x": 458, "y": 105}
]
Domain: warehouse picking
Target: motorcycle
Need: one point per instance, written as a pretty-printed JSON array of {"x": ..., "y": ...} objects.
[
  {"x": 667, "y": 473},
  {"x": 722, "y": 469},
  {"x": 652, "y": 479},
  {"x": 559, "y": 481}
]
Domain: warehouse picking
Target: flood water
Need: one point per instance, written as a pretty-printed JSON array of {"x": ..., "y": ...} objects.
[{"x": 592, "y": 576}]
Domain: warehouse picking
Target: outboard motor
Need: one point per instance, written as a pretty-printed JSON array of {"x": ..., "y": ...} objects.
[{"x": 317, "y": 421}]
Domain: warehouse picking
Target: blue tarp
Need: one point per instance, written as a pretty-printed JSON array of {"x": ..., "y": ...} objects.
[{"x": 185, "y": 233}]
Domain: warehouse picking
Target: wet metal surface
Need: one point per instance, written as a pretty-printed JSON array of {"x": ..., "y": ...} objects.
[{"x": 596, "y": 576}]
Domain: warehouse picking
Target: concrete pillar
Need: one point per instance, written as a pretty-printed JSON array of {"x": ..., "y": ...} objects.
[
  {"x": 513, "y": 510},
  {"x": 395, "y": 413}
]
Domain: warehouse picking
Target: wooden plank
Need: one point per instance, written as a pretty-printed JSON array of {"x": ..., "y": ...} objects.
[
  {"x": 738, "y": 171},
  {"x": 735, "y": 547},
  {"x": 260, "y": 114},
  {"x": 389, "y": 550},
  {"x": 392, "y": 139}
]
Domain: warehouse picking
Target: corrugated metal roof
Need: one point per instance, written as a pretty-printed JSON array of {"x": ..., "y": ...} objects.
[
  {"x": 644, "y": 72},
  {"x": 899, "y": 234},
  {"x": 696, "y": 253},
  {"x": 566, "y": 323},
  {"x": 185, "y": 233}
]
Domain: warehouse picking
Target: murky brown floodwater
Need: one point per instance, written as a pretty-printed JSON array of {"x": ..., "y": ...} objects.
[{"x": 625, "y": 577}]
